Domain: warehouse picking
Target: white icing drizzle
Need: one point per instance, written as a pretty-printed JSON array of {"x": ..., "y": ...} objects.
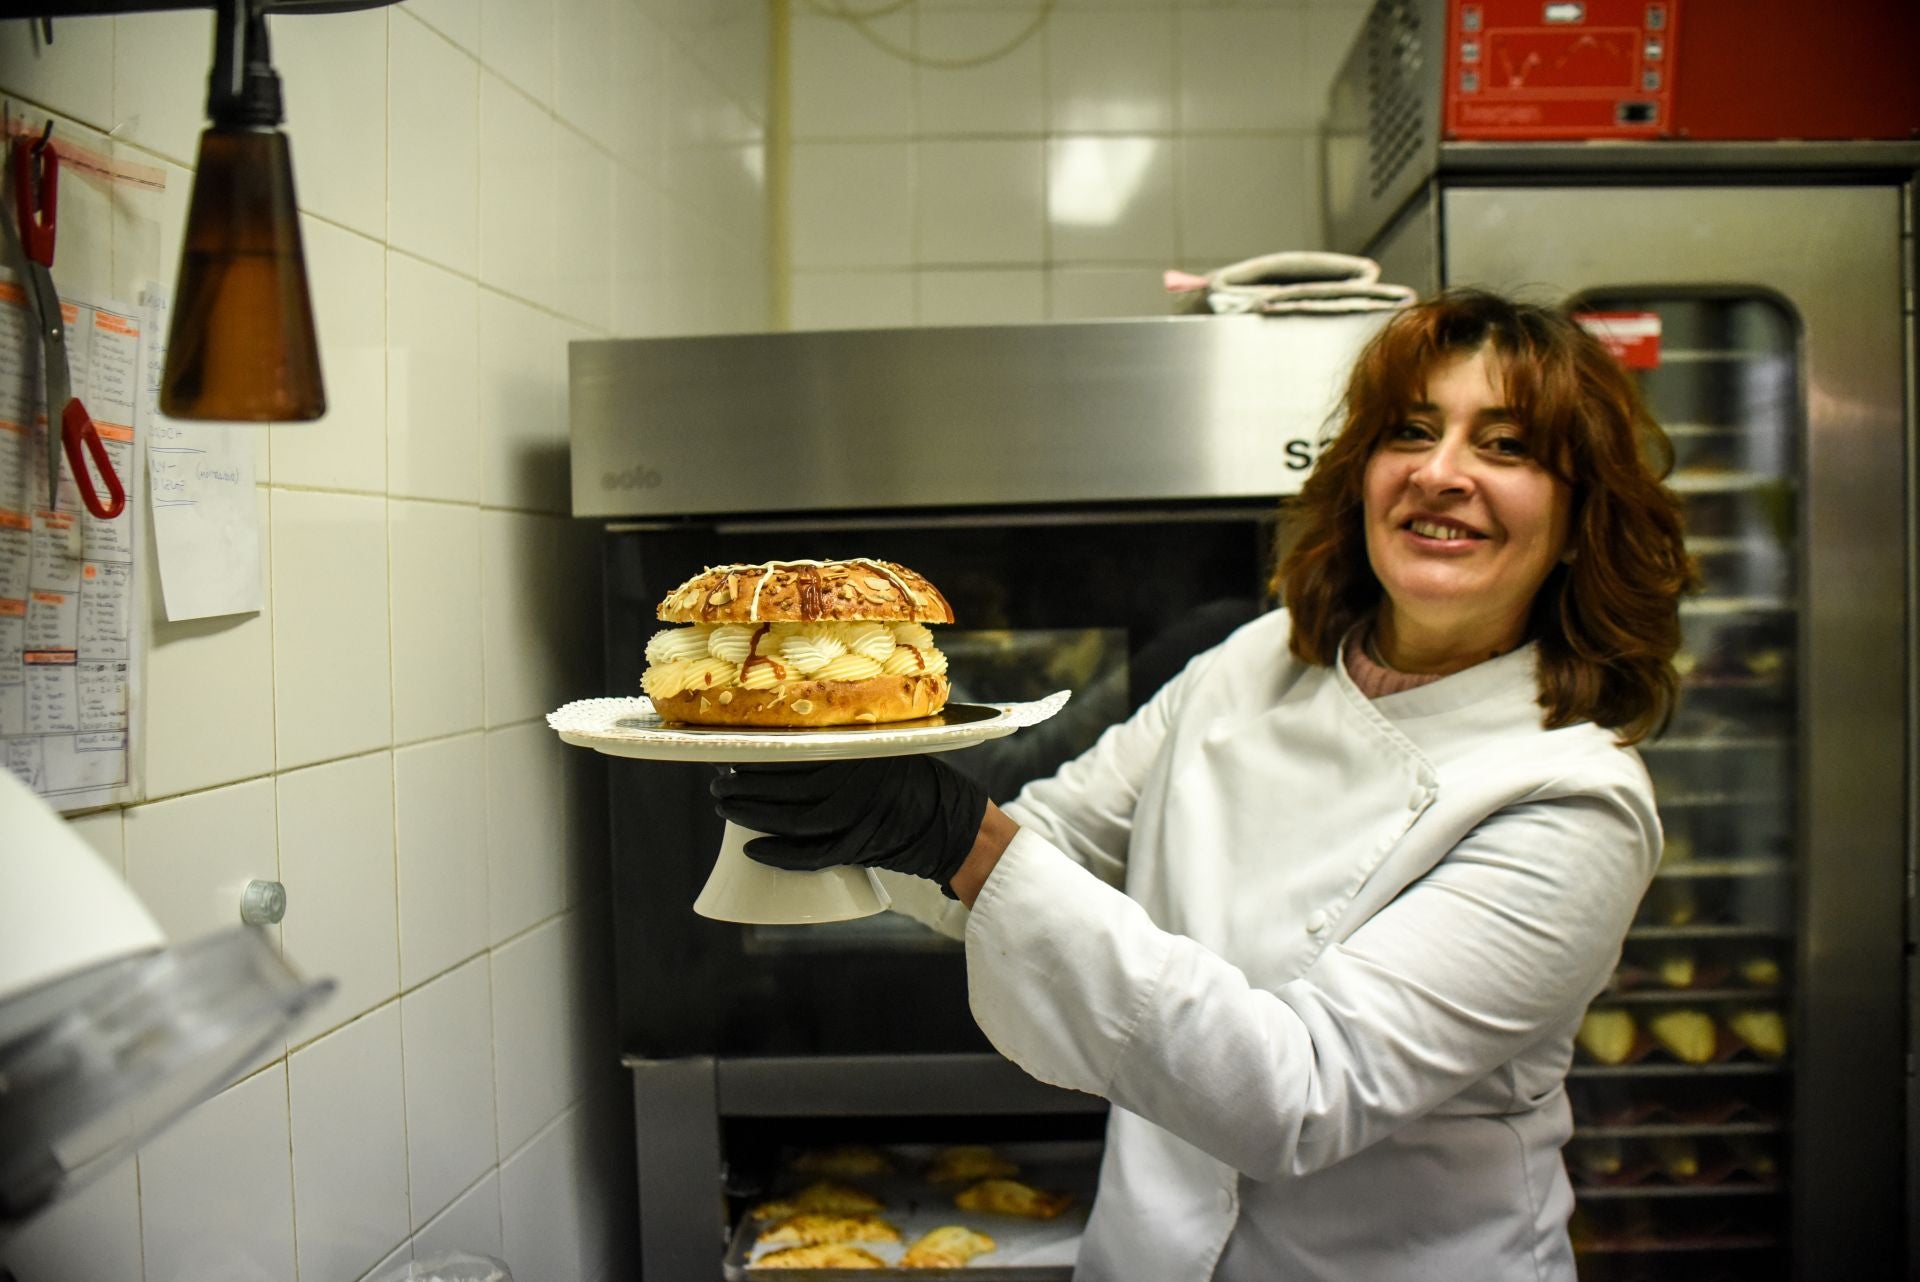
[{"x": 905, "y": 594}]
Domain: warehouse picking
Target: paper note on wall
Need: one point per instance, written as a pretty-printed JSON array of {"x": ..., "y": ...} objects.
[
  {"x": 206, "y": 518},
  {"x": 69, "y": 645}
]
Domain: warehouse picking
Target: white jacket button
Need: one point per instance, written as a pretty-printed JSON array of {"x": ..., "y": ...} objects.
[{"x": 1316, "y": 922}]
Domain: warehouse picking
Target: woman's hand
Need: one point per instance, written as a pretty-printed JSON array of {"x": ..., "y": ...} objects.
[{"x": 911, "y": 814}]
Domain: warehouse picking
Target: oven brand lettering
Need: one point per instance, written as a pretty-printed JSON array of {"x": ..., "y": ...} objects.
[{"x": 637, "y": 477}]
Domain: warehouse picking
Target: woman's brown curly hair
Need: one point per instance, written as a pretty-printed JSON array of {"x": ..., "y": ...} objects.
[{"x": 1607, "y": 623}]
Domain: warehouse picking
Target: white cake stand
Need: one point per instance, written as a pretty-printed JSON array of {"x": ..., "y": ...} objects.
[{"x": 741, "y": 889}]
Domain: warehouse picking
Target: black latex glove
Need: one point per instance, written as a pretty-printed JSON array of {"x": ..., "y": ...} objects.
[{"x": 912, "y": 814}]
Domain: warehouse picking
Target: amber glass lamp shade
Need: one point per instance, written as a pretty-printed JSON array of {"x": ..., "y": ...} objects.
[{"x": 241, "y": 347}]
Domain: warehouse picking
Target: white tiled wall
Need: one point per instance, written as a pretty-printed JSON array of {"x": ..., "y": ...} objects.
[
  {"x": 482, "y": 181},
  {"x": 963, "y": 175}
]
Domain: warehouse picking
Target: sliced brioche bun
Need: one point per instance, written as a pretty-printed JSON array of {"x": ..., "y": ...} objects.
[
  {"x": 806, "y": 592},
  {"x": 810, "y": 703}
]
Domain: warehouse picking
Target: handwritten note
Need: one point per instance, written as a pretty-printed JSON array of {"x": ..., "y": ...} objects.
[{"x": 206, "y": 522}]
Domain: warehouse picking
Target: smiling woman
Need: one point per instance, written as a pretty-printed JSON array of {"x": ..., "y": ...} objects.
[
  {"x": 1321, "y": 918},
  {"x": 1509, "y": 480},
  {"x": 1463, "y": 524}
]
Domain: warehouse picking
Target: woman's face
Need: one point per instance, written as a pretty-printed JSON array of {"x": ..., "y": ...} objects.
[{"x": 1463, "y": 525}]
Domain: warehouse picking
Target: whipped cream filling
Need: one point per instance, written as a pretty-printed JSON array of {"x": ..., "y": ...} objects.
[{"x": 707, "y": 656}]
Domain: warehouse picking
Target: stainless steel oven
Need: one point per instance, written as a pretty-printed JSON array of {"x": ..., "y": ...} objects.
[{"x": 1098, "y": 501}]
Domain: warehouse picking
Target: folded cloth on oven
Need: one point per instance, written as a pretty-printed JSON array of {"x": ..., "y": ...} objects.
[{"x": 1294, "y": 281}]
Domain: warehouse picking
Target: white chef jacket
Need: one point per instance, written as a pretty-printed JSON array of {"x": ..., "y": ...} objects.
[{"x": 1325, "y": 955}]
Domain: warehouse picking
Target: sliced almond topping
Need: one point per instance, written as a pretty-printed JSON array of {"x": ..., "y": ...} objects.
[
  {"x": 868, "y": 716},
  {"x": 803, "y": 706},
  {"x": 875, "y": 581},
  {"x": 726, "y": 697}
]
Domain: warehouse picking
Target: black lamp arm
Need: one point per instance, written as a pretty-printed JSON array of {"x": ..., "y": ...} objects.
[{"x": 95, "y": 8}]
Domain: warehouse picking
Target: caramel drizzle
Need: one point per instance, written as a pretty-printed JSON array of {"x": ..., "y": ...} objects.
[
  {"x": 754, "y": 656},
  {"x": 809, "y": 592}
]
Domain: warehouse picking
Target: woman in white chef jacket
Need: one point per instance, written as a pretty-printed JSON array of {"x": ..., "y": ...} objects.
[{"x": 1321, "y": 918}]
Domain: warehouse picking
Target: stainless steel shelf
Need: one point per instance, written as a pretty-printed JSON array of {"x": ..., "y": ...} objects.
[
  {"x": 1672, "y": 1130},
  {"x": 1637, "y": 1191},
  {"x": 1608, "y": 997},
  {"x": 1718, "y": 355},
  {"x": 1654, "y": 1246},
  {"x": 1758, "y": 867},
  {"x": 1723, "y": 606},
  {"x": 1691, "y": 743},
  {"x": 1743, "y": 1068},
  {"x": 1695, "y": 800},
  {"x": 1707, "y": 932},
  {"x": 1723, "y": 481}
]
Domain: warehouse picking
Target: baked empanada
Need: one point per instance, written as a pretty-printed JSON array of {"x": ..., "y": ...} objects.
[
  {"x": 810, "y": 1227},
  {"x": 964, "y": 1162},
  {"x": 823, "y": 1195},
  {"x": 828, "y": 1255},
  {"x": 846, "y": 1159},
  {"x": 1011, "y": 1197},
  {"x": 947, "y": 1247}
]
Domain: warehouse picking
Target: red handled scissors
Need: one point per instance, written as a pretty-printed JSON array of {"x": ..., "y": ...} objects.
[{"x": 36, "y": 190}]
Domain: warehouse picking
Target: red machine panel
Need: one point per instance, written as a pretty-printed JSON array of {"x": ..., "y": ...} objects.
[
  {"x": 1734, "y": 70},
  {"x": 1544, "y": 69}
]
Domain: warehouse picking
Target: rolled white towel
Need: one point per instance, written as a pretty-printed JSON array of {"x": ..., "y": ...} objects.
[{"x": 1291, "y": 281}]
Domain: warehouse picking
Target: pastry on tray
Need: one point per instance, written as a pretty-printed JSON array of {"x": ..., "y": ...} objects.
[
  {"x": 1011, "y": 1197},
  {"x": 825, "y": 1255},
  {"x": 966, "y": 1162},
  {"x": 822, "y": 1195},
  {"x": 799, "y": 643},
  {"x": 810, "y": 1227},
  {"x": 950, "y": 1246},
  {"x": 843, "y": 1160}
]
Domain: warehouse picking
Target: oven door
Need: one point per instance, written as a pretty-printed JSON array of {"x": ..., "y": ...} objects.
[{"x": 1107, "y": 603}]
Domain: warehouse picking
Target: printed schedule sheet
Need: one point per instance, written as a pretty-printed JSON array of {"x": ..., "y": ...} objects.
[{"x": 68, "y": 632}]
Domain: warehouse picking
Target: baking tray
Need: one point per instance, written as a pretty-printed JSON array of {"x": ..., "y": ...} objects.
[{"x": 1026, "y": 1250}]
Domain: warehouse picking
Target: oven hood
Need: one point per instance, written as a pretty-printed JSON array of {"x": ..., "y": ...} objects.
[{"x": 1163, "y": 409}]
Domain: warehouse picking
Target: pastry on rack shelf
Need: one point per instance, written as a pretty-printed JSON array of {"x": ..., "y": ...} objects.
[
  {"x": 965, "y": 1162},
  {"x": 950, "y": 1246},
  {"x": 824, "y": 1255},
  {"x": 1597, "y": 1159},
  {"x": 1687, "y": 1035},
  {"x": 1760, "y": 971},
  {"x": 810, "y": 1227},
  {"x": 1670, "y": 903},
  {"x": 824, "y": 1195},
  {"x": 1762, "y": 1030},
  {"x": 1011, "y": 1197},
  {"x": 1607, "y": 1035},
  {"x": 843, "y": 1160},
  {"x": 1677, "y": 970},
  {"x": 1753, "y": 1156},
  {"x": 1678, "y": 1156}
]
